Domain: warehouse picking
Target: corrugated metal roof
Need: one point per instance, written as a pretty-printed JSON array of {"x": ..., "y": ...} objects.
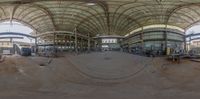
[{"x": 117, "y": 17}]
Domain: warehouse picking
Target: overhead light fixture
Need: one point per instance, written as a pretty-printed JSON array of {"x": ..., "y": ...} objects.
[{"x": 91, "y": 4}]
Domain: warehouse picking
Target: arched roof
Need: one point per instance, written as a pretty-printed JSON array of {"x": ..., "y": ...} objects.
[{"x": 117, "y": 17}]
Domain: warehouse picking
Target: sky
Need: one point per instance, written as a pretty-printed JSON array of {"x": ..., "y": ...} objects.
[
  {"x": 16, "y": 27},
  {"x": 194, "y": 29}
]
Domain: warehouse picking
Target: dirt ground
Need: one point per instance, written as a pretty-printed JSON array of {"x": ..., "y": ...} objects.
[{"x": 103, "y": 75}]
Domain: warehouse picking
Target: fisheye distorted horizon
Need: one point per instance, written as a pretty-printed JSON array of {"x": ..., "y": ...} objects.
[{"x": 18, "y": 27}]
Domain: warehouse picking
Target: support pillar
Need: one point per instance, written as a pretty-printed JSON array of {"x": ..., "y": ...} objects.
[
  {"x": 76, "y": 40},
  {"x": 142, "y": 40},
  {"x": 89, "y": 42},
  {"x": 81, "y": 44},
  {"x": 65, "y": 45},
  {"x": 36, "y": 45},
  {"x": 70, "y": 42},
  {"x": 190, "y": 43},
  {"x": 128, "y": 45},
  {"x": 54, "y": 42},
  {"x": 185, "y": 44},
  {"x": 165, "y": 38},
  {"x": 95, "y": 45},
  {"x": 11, "y": 40}
]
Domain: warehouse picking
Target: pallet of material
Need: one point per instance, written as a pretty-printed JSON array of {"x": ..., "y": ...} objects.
[
  {"x": 1, "y": 58},
  {"x": 195, "y": 60}
]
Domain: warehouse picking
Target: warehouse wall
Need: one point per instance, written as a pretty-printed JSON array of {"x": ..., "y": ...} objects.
[{"x": 156, "y": 40}]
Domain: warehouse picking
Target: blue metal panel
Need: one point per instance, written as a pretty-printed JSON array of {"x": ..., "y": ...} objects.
[
  {"x": 12, "y": 37},
  {"x": 15, "y": 33}
]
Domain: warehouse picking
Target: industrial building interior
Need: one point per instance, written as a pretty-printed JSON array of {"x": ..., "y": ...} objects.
[{"x": 99, "y": 49}]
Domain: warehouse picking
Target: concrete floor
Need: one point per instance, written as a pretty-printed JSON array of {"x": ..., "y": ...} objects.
[{"x": 108, "y": 75}]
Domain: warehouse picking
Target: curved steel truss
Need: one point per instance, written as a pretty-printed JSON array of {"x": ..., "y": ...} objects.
[{"x": 100, "y": 16}]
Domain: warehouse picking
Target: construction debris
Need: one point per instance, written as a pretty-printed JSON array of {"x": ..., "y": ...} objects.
[
  {"x": 195, "y": 60},
  {"x": 2, "y": 58},
  {"x": 71, "y": 75}
]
